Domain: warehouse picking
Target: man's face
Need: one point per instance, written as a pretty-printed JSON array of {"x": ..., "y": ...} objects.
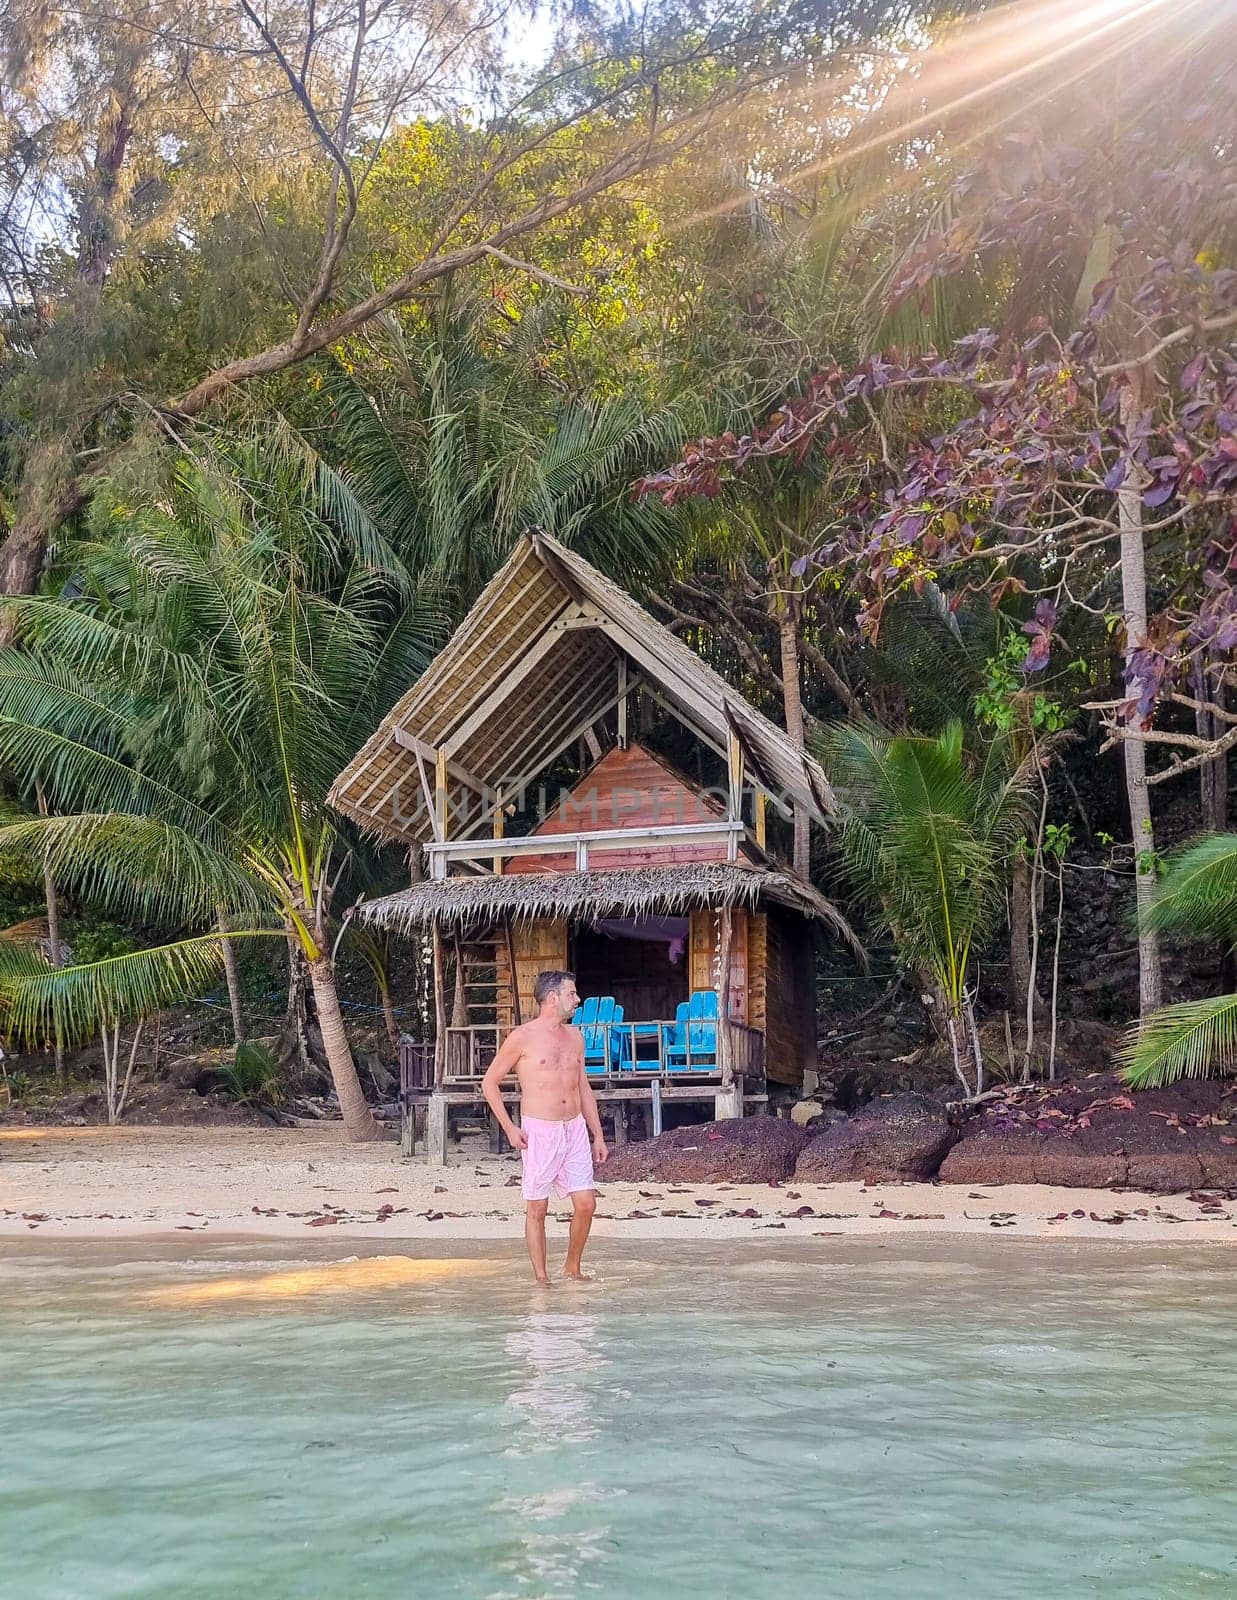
[{"x": 568, "y": 999}]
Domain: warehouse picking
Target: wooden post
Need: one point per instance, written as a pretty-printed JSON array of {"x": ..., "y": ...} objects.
[
  {"x": 499, "y": 820},
  {"x": 440, "y": 793},
  {"x": 622, "y": 705},
  {"x": 436, "y": 1130},
  {"x": 515, "y": 980},
  {"x": 440, "y": 1011},
  {"x": 761, "y": 820},
  {"x": 734, "y": 773},
  {"x": 723, "y": 1002},
  {"x": 459, "y": 1001}
]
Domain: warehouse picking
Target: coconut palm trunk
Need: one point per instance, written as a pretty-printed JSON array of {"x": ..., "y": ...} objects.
[
  {"x": 359, "y": 1122},
  {"x": 233, "y": 980}
]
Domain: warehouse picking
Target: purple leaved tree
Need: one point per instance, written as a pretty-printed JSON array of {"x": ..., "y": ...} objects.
[{"x": 1092, "y": 438}]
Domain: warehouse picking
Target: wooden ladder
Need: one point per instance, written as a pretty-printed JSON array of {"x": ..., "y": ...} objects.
[{"x": 485, "y": 989}]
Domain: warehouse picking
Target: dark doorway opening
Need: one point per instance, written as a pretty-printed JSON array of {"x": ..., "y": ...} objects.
[{"x": 641, "y": 962}]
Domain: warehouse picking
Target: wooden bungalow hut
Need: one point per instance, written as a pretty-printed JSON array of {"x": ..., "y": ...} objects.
[{"x": 544, "y": 833}]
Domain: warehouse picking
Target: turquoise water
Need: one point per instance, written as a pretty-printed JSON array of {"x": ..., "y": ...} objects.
[{"x": 922, "y": 1422}]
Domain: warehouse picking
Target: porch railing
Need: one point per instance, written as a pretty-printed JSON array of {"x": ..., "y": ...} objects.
[{"x": 622, "y": 1054}]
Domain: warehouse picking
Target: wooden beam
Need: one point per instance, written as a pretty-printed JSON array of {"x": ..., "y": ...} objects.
[
  {"x": 510, "y": 682},
  {"x": 431, "y": 810},
  {"x": 463, "y": 689},
  {"x": 761, "y": 823},
  {"x": 516, "y": 781},
  {"x": 573, "y": 689},
  {"x": 622, "y": 703},
  {"x": 549, "y": 844},
  {"x": 429, "y": 752},
  {"x": 500, "y": 818}
]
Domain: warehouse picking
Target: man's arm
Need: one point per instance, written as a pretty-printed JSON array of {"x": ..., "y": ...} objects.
[
  {"x": 592, "y": 1117},
  {"x": 509, "y": 1053}
]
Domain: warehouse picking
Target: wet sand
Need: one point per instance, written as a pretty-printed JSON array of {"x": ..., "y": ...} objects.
[{"x": 124, "y": 1183}]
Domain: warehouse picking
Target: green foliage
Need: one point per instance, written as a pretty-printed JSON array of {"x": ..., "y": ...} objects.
[
  {"x": 38, "y": 1003},
  {"x": 1197, "y": 895},
  {"x": 1006, "y": 700},
  {"x": 928, "y": 833},
  {"x": 240, "y": 629},
  {"x": 92, "y": 942},
  {"x": 1195, "y": 1039},
  {"x": 253, "y": 1076}
]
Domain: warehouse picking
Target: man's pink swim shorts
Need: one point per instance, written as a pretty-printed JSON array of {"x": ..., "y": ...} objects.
[{"x": 559, "y": 1157}]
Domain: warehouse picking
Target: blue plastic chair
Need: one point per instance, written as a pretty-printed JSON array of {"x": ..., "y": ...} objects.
[
  {"x": 695, "y": 1024},
  {"x": 674, "y": 1038},
  {"x": 702, "y": 1014},
  {"x": 592, "y": 1018}
]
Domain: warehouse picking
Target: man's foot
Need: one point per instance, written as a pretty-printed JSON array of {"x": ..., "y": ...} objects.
[
  {"x": 578, "y": 1275},
  {"x": 542, "y": 1283}
]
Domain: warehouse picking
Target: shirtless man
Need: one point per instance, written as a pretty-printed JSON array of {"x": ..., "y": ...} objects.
[{"x": 558, "y": 1113}]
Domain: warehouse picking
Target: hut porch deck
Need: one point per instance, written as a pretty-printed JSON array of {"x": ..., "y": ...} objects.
[{"x": 471, "y": 1049}]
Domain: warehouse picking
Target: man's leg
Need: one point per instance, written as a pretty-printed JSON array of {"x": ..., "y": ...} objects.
[
  {"x": 534, "y": 1237},
  {"x": 583, "y": 1204}
]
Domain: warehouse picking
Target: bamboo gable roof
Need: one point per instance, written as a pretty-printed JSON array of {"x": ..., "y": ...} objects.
[{"x": 534, "y": 663}]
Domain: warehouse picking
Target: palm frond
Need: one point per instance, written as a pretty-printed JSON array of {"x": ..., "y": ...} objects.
[
  {"x": 1194, "y": 1039},
  {"x": 39, "y": 1002},
  {"x": 142, "y": 867},
  {"x": 1197, "y": 893}
]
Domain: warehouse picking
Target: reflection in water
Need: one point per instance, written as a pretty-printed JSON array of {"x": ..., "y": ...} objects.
[
  {"x": 558, "y": 1405},
  {"x": 555, "y": 1403},
  {"x": 334, "y": 1277}
]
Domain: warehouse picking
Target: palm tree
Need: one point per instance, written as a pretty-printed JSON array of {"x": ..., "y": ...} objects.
[
  {"x": 462, "y": 446},
  {"x": 1197, "y": 895},
  {"x": 232, "y": 643},
  {"x": 928, "y": 833}
]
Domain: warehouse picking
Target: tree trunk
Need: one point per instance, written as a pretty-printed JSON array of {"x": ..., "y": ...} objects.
[
  {"x": 1020, "y": 942},
  {"x": 54, "y": 954},
  {"x": 388, "y": 1016},
  {"x": 1142, "y": 832},
  {"x": 234, "y": 986},
  {"x": 294, "y": 1031},
  {"x": 792, "y": 700},
  {"x": 25, "y": 546},
  {"x": 1212, "y": 775},
  {"x": 359, "y": 1122},
  {"x": 97, "y": 230}
]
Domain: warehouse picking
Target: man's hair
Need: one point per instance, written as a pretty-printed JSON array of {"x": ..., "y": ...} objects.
[{"x": 549, "y": 983}]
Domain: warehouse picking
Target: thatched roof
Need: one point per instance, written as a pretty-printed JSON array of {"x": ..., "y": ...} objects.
[
  {"x": 460, "y": 903},
  {"x": 537, "y": 660}
]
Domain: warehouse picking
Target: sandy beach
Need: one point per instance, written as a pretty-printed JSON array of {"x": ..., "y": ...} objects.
[{"x": 113, "y": 1183}]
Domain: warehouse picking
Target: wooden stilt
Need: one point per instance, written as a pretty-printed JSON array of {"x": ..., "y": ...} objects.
[
  {"x": 440, "y": 1012},
  {"x": 724, "y": 1060},
  {"x": 436, "y": 1131}
]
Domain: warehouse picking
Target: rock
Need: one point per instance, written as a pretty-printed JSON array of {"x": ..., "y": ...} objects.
[
  {"x": 1093, "y": 1133},
  {"x": 888, "y": 1141},
  {"x": 802, "y": 1112},
  {"x": 741, "y": 1150}
]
